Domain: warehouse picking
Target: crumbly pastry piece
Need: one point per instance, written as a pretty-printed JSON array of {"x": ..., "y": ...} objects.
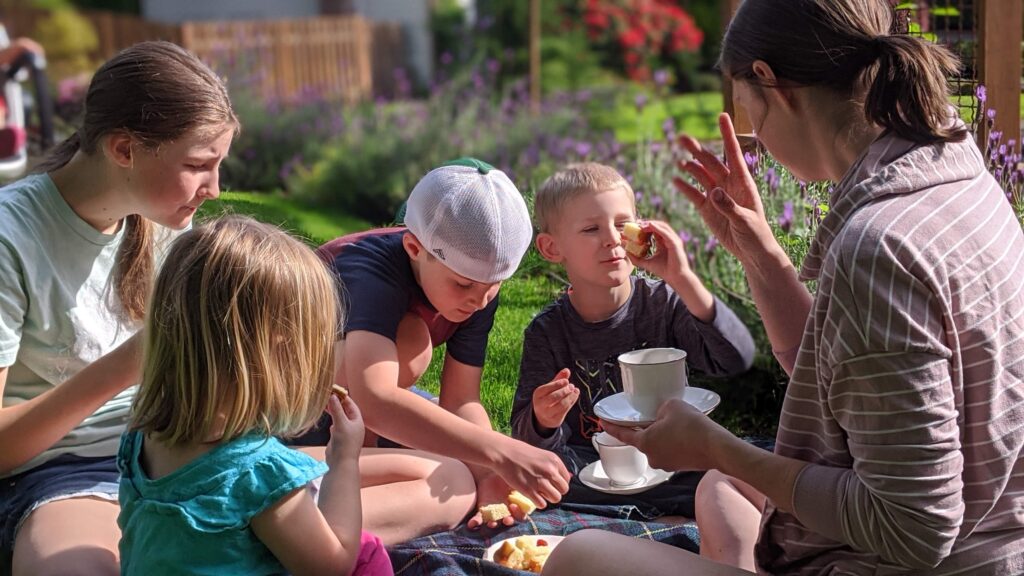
[
  {"x": 524, "y": 503},
  {"x": 339, "y": 391},
  {"x": 637, "y": 241},
  {"x": 494, "y": 512},
  {"x": 524, "y": 553}
]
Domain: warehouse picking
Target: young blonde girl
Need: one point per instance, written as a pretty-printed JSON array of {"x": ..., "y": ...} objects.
[
  {"x": 79, "y": 242},
  {"x": 239, "y": 348},
  {"x": 900, "y": 439}
]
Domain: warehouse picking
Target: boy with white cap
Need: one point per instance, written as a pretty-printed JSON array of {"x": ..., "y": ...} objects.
[{"x": 410, "y": 289}]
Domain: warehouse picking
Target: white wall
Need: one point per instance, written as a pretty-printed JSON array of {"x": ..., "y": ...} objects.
[{"x": 173, "y": 11}]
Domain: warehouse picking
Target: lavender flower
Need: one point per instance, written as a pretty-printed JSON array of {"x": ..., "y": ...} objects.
[
  {"x": 640, "y": 101},
  {"x": 981, "y": 93},
  {"x": 661, "y": 78},
  {"x": 786, "y": 218}
]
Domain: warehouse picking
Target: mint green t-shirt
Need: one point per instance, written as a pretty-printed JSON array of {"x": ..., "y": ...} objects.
[
  {"x": 58, "y": 308},
  {"x": 197, "y": 519}
]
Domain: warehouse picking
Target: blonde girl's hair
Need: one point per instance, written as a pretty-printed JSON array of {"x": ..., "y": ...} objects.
[
  {"x": 570, "y": 182},
  {"x": 242, "y": 324},
  {"x": 846, "y": 46},
  {"x": 157, "y": 92}
]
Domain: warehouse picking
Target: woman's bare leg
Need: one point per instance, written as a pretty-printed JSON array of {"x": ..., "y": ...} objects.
[
  {"x": 69, "y": 537},
  {"x": 408, "y": 493},
  {"x": 729, "y": 519},
  {"x": 600, "y": 553}
]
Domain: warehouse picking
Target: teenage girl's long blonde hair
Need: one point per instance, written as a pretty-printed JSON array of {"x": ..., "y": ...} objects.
[{"x": 239, "y": 336}]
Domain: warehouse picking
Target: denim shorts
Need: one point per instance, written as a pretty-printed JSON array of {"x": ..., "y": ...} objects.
[{"x": 64, "y": 477}]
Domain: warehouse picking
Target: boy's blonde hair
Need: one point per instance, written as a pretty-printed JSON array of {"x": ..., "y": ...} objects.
[
  {"x": 570, "y": 182},
  {"x": 243, "y": 322}
]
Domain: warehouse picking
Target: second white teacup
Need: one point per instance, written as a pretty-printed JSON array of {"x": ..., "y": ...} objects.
[
  {"x": 622, "y": 463},
  {"x": 651, "y": 376}
]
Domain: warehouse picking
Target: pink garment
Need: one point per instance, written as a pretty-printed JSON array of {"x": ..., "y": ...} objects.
[{"x": 373, "y": 558}]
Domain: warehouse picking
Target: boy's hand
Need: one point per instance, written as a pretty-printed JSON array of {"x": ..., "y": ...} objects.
[
  {"x": 552, "y": 401},
  {"x": 491, "y": 489},
  {"x": 670, "y": 257},
  {"x": 538, "y": 474},
  {"x": 347, "y": 429}
]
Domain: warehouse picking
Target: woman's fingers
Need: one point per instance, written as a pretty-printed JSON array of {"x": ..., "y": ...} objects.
[
  {"x": 699, "y": 173},
  {"x": 708, "y": 160},
  {"x": 733, "y": 151},
  {"x": 691, "y": 192}
]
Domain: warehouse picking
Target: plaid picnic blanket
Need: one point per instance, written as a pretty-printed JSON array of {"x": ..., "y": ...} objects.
[{"x": 461, "y": 551}]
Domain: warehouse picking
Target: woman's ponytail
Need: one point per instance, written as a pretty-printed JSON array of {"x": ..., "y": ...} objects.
[{"x": 909, "y": 91}]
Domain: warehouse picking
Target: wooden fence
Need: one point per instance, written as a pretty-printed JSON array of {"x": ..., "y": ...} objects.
[
  {"x": 337, "y": 58},
  {"x": 999, "y": 29},
  {"x": 326, "y": 57}
]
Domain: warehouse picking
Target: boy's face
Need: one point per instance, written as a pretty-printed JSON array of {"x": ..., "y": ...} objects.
[
  {"x": 587, "y": 238},
  {"x": 455, "y": 297}
]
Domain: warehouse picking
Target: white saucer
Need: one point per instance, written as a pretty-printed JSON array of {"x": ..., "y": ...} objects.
[
  {"x": 551, "y": 540},
  {"x": 617, "y": 410},
  {"x": 594, "y": 477}
]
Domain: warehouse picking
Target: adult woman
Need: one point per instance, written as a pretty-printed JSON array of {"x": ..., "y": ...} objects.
[{"x": 899, "y": 438}]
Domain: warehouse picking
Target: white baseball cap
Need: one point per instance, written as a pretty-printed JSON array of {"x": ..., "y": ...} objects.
[{"x": 470, "y": 216}]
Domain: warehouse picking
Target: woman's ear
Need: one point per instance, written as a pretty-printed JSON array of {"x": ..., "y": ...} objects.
[
  {"x": 772, "y": 90},
  {"x": 548, "y": 247}
]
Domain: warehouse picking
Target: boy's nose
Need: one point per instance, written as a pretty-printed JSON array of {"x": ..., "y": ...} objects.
[{"x": 613, "y": 238}]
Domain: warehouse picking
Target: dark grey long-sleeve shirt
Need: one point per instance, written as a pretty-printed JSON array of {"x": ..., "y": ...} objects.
[{"x": 653, "y": 317}]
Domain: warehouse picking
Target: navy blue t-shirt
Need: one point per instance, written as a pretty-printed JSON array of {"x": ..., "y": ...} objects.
[{"x": 378, "y": 289}]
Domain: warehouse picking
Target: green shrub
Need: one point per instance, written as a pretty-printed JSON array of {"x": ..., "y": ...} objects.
[
  {"x": 275, "y": 139},
  {"x": 386, "y": 148},
  {"x": 70, "y": 40}
]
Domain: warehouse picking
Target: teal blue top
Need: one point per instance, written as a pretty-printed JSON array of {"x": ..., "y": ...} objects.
[{"x": 197, "y": 519}]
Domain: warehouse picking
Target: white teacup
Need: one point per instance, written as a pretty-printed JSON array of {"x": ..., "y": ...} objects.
[
  {"x": 652, "y": 376},
  {"x": 622, "y": 463}
]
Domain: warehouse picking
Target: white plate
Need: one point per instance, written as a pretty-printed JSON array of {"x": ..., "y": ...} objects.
[
  {"x": 594, "y": 477},
  {"x": 551, "y": 540},
  {"x": 617, "y": 410}
]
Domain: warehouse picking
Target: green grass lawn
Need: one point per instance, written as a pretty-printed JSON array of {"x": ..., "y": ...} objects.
[
  {"x": 695, "y": 114},
  {"x": 314, "y": 225}
]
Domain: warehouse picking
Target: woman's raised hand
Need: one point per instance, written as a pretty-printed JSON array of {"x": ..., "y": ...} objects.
[{"x": 729, "y": 202}]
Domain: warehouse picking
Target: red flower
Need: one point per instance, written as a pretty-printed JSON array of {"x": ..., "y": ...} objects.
[{"x": 632, "y": 38}]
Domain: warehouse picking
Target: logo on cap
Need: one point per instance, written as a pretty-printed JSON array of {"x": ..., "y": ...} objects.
[{"x": 439, "y": 252}]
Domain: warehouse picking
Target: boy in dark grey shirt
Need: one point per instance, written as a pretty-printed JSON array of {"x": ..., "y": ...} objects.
[{"x": 570, "y": 348}]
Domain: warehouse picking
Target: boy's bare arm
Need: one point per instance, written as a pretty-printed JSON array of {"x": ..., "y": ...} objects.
[
  {"x": 460, "y": 392},
  {"x": 371, "y": 372}
]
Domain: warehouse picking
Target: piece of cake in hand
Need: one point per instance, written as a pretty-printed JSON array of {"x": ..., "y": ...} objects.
[
  {"x": 637, "y": 241},
  {"x": 525, "y": 504},
  {"x": 494, "y": 512}
]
